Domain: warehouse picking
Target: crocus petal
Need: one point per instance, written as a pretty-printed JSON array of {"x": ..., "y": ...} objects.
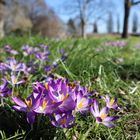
[
  {"x": 67, "y": 105},
  {"x": 83, "y": 104},
  {"x": 110, "y": 119},
  {"x": 54, "y": 123},
  {"x": 18, "y": 108},
  {"x": 98, "y": 119},
  {"x": 107, "y": 98},
  {"x": 108, "y": 125},
  {"x": 5, "y": 83},
  {"x": 96, "y": 106},
  {"x": 20, "y": 82},
  {"x": 30, "y": 117},
  {"x": 19, "y": 102},
  {"x": 105, "y": 110},
  {"x": 93, "y": 112},
  {"x": 36, "y": 101}
]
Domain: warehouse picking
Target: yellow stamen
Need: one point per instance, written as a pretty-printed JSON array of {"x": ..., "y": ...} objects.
[
  {"x": 53, "y": 102},
  {"x": 44, "y": 104},
  {"x": 15, "y": 81},
  {"x": 72, "y": 85},
  {"x": 63, "y": 121},
  {"x": 14, "y": 67},
  {"x": 46, "y": 85},
  {"x": 103, "y": 116},
  {"x": 29, "y": 102},
  {"x": 65, "y": 97},
  {"x": 111, "y": 102},
  {"x": 81, "y": 105}
]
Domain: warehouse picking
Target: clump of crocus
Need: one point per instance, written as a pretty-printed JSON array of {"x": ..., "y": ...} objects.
[
  {"x": 60, "y": 100},
  {"x": 57, "y": 99},
  {"x": 14, "y": 81},
  {"x": 117, "y": 43}
]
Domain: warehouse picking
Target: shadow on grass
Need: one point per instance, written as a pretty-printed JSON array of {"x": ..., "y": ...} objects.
[
  {"x": 12, "y": 122},
  {"x": 129, "y": 72}
]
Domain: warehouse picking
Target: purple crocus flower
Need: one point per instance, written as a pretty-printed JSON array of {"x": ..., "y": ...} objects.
[
  {"x": 48, "y": 68},
  {"x": 43, "y": 46},
  {"x": 28, "y": 106},
  {"x": 117, "y": 43},
  {"x": 4, "y": 90},
  {"x": 27, "y": 50},
  {"x": 82, "y": 103},
  {"x": 59, "y": 91},
  {"x": 111, "y": 103},
  {"x": 42, "y": 55},
  {"x": 39, "y": 88},
  {"x": 102, "y": 116},
  {"x": 47, "y": 106},
  {"x": 9, "y": 49},
  {"x": 2, "y": 67},
  {"x": 13, "y": 65},
  {"x": 63, "y": 120},
  {"x": 14, "y": 80},
  {"x": 14, "y": 52}
]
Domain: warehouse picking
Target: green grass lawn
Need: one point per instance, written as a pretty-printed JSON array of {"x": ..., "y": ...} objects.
[{"x": 108, "y": 70}]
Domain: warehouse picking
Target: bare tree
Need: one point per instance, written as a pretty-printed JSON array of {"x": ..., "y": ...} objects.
[
  {"x": 95, "y": 27},
  {"x": 71, "y": 27},
  {"x": 110, "y": 23},
  {"x": 127, "y": 7},
  {"x": 135, "y": 23},
  {"x": 2, "y": 9},
  {"x": 118, "y": 24},
  {"x": 86, "y": 11},
  {"x": 83, "y": 6}
]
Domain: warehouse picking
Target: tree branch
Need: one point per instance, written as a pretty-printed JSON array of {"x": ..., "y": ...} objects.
[{"x": 135, "y": 3}]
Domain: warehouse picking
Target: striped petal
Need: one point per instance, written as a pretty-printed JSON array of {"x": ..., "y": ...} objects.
[
  {"x": 30, "y": 117},
  {"x": 105, "y": 110},
  {"x": 108, "y": 125},
  {"x": 19, "y": 102},
  {"x": 110, "y": 119},
  {"x": 18, "y": 108},
  {"x": 96, "y": 106}
]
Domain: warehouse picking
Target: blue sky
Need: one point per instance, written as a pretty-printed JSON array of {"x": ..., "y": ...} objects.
[{"x": 57, "y": 4}]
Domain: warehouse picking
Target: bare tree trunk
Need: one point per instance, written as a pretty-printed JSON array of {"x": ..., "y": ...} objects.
[
  {"x": 126, "y": 18},
  {"x": 2, "y": 10},
  {"x": 1, "y": 28},
  {"x": 83, "y": 33},
  {"x": 118, "y": 24},
  {"x": 95, "y": 28}
]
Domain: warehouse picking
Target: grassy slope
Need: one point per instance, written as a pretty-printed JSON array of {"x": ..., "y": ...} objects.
[{"x": 99, "y": 67}]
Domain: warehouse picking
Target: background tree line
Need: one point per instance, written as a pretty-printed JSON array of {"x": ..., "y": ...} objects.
[{"x": 35, "y": 16}]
